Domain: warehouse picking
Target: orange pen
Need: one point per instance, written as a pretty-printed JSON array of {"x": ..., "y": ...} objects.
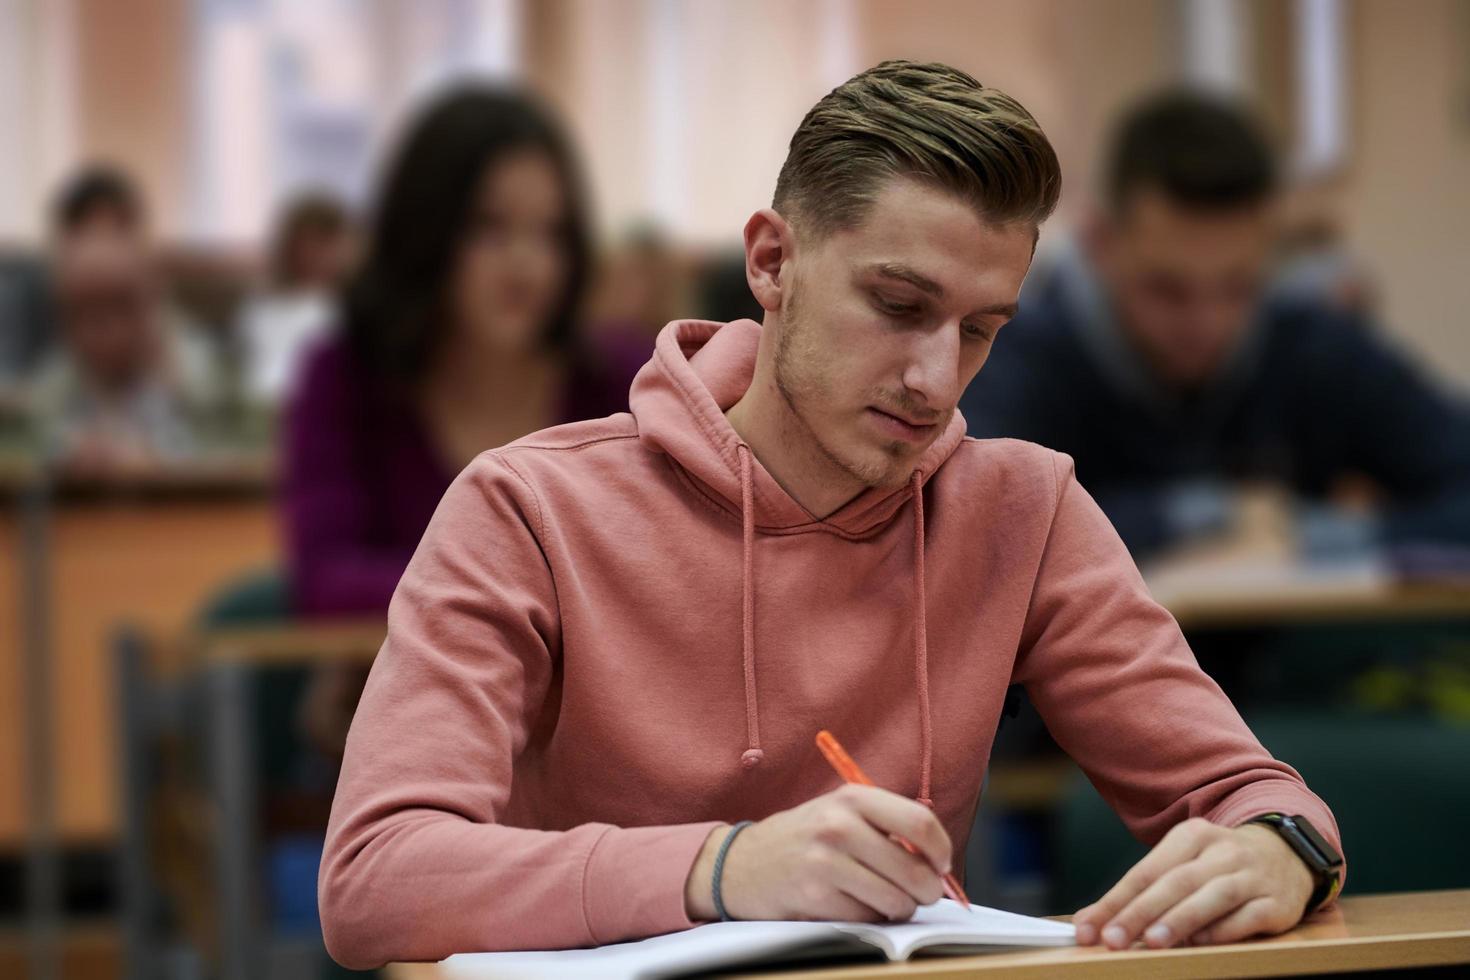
[{"x": 849, "y": 771}]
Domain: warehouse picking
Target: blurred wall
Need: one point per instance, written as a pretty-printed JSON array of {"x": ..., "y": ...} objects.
[
  {"x": 728, "y": 83},
  {"x": 684, "y": 109},
  {"x": 85, "y": 80},
  {"x": 1070, "y": 62},
  {"x": 37, "y": 121},
  {"x": 1408, "y": 204}
]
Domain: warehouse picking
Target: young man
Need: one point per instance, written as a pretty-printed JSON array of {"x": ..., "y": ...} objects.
[
  {"x": 619, "y": 637},
  {"x": 1154, "y": 353}
]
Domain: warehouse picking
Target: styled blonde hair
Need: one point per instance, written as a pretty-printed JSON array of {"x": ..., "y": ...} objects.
[{"x": 925, "y": 121}]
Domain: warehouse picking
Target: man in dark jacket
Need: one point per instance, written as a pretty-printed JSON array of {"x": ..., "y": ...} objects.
[{"x": 1154, "y": 350}]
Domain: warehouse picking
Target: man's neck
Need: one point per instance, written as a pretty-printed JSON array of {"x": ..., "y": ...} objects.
[{"x": 786, "y": 447}]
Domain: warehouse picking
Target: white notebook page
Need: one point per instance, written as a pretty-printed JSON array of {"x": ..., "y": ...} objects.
[{"x": 721, "y": 944}]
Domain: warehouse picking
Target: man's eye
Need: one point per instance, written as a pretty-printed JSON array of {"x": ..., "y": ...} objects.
[
  {"x": 896, "y": 309},
  {"x": 979, "y": 332}
]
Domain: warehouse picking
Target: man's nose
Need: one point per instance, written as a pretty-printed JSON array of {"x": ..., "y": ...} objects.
[{"x": 932, "y": 373}]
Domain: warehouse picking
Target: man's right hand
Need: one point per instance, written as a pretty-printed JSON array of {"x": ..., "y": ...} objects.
[{"x": 831, "y": 858}]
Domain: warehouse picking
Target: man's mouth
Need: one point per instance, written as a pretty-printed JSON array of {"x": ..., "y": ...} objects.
[{"x": 901, "y": 426}]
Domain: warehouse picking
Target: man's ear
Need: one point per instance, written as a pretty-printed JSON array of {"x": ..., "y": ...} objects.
[{"x": 769, "y": 245}]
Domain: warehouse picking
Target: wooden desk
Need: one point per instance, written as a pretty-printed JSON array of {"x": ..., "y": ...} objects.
[
  {"x": 333, "y": 641},
  {"x": 148, "y": 557},
  {"x": 1272, "y": 590},
  {"x": 1364, "y": 932}
]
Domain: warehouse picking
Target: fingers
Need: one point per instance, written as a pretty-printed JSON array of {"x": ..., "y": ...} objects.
[
  {"x": 1260, "y": 915},
  {"x": 883, "y": 856},
  {"x": 1181, "y": 844},
  {"x": 898, "y": 815},
  {"x": 1179, "y": 919},
  {"x": 841, "y": 907},
  {"x": 1232, "y": 889},
  {"x": 876, "y": 893}
]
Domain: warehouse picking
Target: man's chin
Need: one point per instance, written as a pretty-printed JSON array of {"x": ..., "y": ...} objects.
[{"x": 888, "y": 468}]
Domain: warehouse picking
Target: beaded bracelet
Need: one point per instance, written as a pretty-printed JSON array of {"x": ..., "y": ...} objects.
[{"x": 720, "y": 868}]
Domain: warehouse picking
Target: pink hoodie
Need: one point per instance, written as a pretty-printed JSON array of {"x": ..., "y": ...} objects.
[{"x": 616, "y": 634}]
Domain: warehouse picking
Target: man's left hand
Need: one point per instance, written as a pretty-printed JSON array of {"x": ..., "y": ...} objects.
[{"x": 1202, "y": 884}]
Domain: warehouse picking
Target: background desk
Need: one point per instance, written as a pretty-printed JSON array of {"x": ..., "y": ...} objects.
[
  {"x": 148, "y": 555},
  {"x": 1364, "y": 932}
]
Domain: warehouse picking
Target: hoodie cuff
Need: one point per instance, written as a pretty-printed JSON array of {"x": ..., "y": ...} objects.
[{"x": 633, "y": 885}]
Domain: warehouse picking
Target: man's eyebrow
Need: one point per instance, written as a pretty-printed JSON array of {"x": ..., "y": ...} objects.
[
  {"x": 1006, "y": 310},
  {"x": 893, "y": 270}
]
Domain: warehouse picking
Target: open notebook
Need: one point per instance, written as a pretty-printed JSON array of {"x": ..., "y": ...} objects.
[{"x": 941, "y": 927}]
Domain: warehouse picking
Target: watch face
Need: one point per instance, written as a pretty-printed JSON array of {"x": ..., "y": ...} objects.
[{"x": 1330, "y": 858}]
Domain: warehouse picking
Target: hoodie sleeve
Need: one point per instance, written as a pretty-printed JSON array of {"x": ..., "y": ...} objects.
[
  {"x": 417, "y": 864},
  {"x": 1120, "y": 690}
]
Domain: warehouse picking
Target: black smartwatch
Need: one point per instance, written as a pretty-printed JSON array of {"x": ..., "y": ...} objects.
[{"x": 1321, "y": 860}]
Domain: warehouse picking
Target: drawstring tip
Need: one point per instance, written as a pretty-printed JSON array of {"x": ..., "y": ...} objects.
[
  {"x": 926, "y": 802},
  {"x": 751, "y": 758}
]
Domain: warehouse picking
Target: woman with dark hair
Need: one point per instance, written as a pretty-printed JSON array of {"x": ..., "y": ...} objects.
[{"x": 459, "y": 336}]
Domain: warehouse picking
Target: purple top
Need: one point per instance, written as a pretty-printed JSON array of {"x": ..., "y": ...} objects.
[{"x": 362, "y": 477}]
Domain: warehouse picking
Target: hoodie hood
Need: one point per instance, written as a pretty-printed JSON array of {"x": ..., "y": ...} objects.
[{"x": 698, "y": 371}]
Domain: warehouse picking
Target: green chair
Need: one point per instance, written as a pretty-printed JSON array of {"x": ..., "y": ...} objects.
[
  {"x": 262, "y": 598},
  {"x": 1399, "y": 787}
]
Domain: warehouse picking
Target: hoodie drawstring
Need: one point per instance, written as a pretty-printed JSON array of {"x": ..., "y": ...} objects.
[
  {"x": 753, "y": 755},
  {"x": 921, "y": 647}
]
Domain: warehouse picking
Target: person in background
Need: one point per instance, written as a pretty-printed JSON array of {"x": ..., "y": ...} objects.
[
  {"x": 111, "y": 400},
  {"x": 309, "y": 259},
  {"x": 459, "y": 335},
  {"x": 106, "y": 268},
  {"x": 639, "y": 286},
  {"x": 99, "y": 202},
  {"x": 1155, "y": 353}
]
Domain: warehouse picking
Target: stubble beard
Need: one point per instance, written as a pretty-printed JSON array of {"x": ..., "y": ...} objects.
[{"x": 799, "y": 385}]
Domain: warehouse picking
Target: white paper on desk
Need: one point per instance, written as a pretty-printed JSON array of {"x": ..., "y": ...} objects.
[{"x": 725, "y": 944}]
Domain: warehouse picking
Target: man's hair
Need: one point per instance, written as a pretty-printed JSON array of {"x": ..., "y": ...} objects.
[
  {"x": 99, "y": 187},
  {"x": 313, "y": 212},
  {"x": 1200, "y": 150},
  {"x": 925, "y": 121}
]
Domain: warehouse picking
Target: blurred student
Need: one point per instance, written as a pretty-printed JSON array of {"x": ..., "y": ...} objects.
[
  {"x": 100, "y": 202},
  {"x": 111, "y": 400},
  {"x": 1153, "y": 351},
  {"x": 638, "y": 286},
  {"x": 100, "y": 211},
  {"x": 309, "y": 259},
  {"x": 459, "y": 336}
]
